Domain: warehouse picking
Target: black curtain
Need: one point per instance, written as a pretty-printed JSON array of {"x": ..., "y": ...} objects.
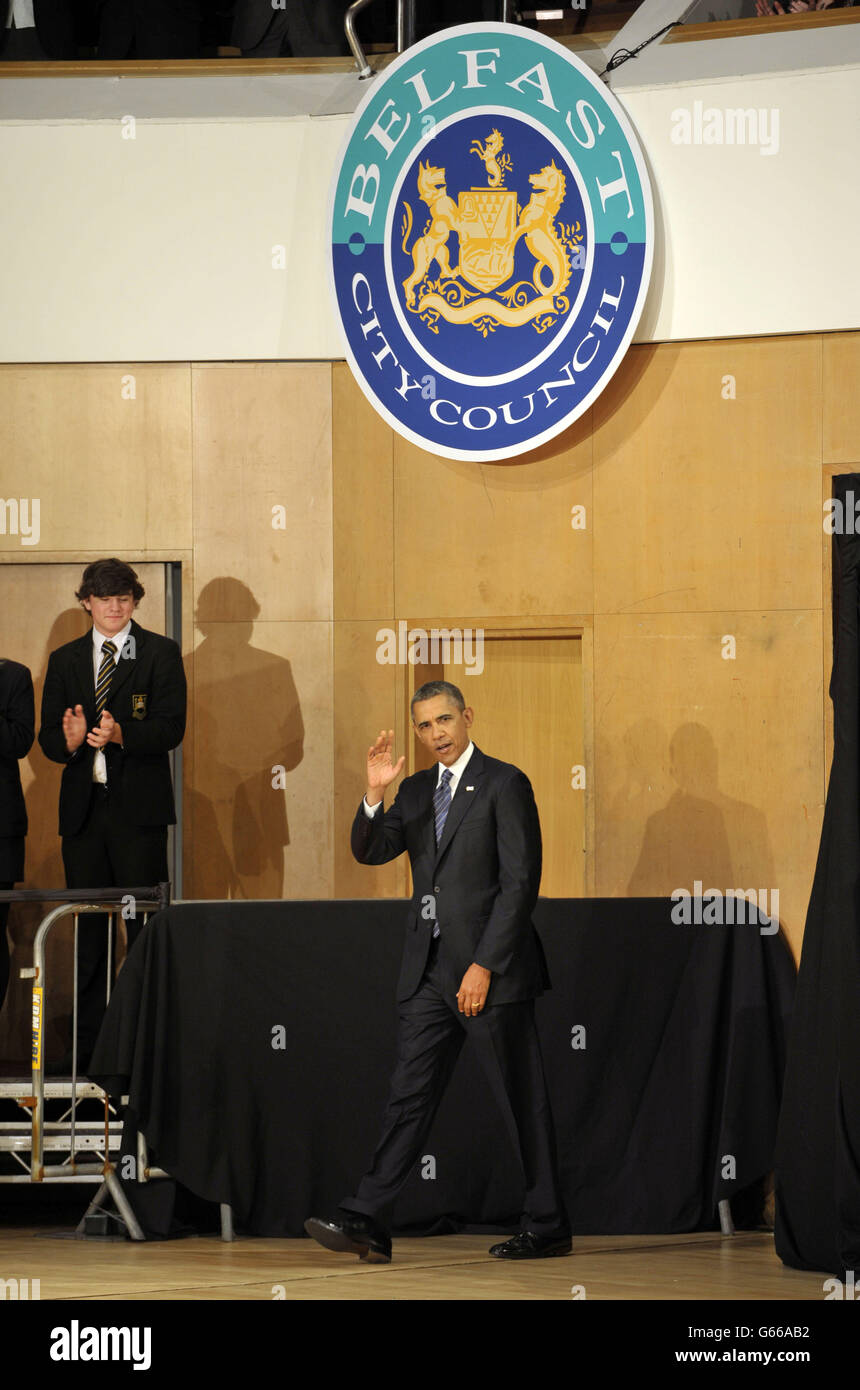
[{"x": 818, "y": 1143}]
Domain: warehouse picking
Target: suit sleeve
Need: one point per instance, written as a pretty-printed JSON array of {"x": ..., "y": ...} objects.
[
  {"x": 52, "y": 740},
  {"x": 519, "y": 849},
  {"x": 164, "y": 725},
  {"x": 18, "y": 719},
  {"x": 380, "y": 838}
]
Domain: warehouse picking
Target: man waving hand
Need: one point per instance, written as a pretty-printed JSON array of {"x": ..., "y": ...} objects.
[{"x": 472, "y": 964}]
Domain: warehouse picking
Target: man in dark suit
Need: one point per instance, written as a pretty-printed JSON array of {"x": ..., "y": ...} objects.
[
  {"x": 33, "y": 33},
  {"x": 112, "y": 708},
  {"x": 17, "y": 731},
  {"x": 303, "y": 29},
  {"x": 149, "y": 28},
  {"x": 472, "y": 963}
]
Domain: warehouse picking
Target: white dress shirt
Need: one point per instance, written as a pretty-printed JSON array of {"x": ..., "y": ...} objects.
[
  {"x": 22, "y": 13},
  {"x": 456, "y": 770},
  {"x": 99, "y": 764}
]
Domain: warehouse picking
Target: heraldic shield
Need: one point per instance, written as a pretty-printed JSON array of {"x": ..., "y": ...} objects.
[{"x": 487, "y": 226}]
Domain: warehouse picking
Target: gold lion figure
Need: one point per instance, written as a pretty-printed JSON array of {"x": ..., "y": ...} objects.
[{"x": 433, "y": 244}]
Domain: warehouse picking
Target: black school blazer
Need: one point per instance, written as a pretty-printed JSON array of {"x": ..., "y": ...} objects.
[
  {"x": 147, "y": 697},
  {"x": 17, "y": 731}
]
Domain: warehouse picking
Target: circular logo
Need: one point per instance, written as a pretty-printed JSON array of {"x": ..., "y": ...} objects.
[{"x": 491, "y": 241}]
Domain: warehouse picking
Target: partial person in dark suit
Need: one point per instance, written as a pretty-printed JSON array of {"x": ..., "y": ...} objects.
[
  {"x": 472, "y": 964},
  {"x": 149, "y": 29},
  {"x": 33, "y": 31},
  {"x": 259, "y": 30},
  {"x": 17, "y": 731},
  {"x": 113, "y": 707},
  {"x": 302, "y": 29}
]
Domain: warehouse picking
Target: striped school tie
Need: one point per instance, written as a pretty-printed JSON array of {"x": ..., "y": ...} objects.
[
  {"x": 106, "y": 670},
  {"x": 441, "y": 803}
]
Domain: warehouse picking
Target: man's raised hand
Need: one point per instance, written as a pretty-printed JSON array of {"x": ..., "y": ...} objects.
[{"x": 381, "y": 772}]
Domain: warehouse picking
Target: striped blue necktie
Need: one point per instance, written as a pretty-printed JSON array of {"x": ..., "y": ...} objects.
[{"x": 441, "y": 803}]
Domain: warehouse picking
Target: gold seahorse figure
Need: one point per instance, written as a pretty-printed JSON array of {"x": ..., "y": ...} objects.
[
  {"x": 536, "y": 224},
  {"x": 495, "y": 163}
]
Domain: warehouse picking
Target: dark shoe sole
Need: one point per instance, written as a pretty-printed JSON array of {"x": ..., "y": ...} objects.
[
  {"x": 342, "y": 1244},
  {"x": 550, "y": 1254}
]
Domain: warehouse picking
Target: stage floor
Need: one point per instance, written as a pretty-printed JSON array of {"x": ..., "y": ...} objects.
[{"x": 697, "y": 1266}]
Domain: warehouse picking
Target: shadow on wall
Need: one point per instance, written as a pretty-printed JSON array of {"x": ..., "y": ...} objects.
[
  {"x": 700, "y": 833},
  {"x": 248, "y": 736}
]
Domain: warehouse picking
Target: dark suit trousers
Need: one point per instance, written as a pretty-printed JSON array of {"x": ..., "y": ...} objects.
[
  {"x": 23, "y": 46},
  {"x": 4, "y": 945},
  {"x": 431, "y": 1033},
  {"x": 108, "y": 851}
]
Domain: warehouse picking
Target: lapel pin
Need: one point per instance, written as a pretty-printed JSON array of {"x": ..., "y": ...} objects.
[{"x": 470, "y": 789}]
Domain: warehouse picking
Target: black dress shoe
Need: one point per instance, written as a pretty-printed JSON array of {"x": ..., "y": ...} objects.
[
  {"x": 352, "y": 1233},
  {"x": 528, "y": 1246}
]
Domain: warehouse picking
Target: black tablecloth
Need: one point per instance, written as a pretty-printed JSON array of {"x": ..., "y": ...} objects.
[{"x": 670, "y": 1106}]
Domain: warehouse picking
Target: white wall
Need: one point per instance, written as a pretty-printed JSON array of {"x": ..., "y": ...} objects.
[{"x": 160, "y": 247}]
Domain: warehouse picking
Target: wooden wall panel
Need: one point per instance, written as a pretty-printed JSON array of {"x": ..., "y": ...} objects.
[
  {"x": 494, "y": 538},
  {"x": 362, "y": 502},
  {"x": 106, "y": 449},
  {"x": 841, "y": 404},
  {"x": 528, "y": 704},
  {"x": 367, "y": 697},
  {"x": 262, "y": 439},
  {"x": 702, "y": 502},
  {"x": 709, "y": 769},
  {"x": 703, "y": 517}
]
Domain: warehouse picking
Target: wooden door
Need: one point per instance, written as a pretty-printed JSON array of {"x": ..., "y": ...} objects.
[{"x": 529, "y": 710}]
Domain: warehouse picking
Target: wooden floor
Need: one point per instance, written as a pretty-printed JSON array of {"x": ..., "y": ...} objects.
[{"x": 698, "y": 1266}]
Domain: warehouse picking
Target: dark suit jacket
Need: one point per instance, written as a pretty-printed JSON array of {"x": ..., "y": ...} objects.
[
  {"x": 139, "y": 771},
  {"x": 483, "y": 878},
  {"x": 55, "y": 26},
  {"x": 251, "y": 19},
  {"x": 157, "y": 28},
  {"x": 17, "y": 731},
  {"x": 313, "y": 28}
]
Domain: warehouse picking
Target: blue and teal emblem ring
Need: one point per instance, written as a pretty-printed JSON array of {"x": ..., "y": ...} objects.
[{"x": 491, "y": 241}]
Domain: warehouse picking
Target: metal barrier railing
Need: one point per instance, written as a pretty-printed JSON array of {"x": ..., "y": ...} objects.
[
  {"x": 67, "y": 1135},
  {"x": 405, "y": 29}
]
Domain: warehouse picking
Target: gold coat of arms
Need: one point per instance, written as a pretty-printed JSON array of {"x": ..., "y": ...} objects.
[{"x": 489, "y": 224}]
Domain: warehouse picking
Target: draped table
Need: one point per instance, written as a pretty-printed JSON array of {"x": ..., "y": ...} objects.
[{"x": 255, "y": 1042}]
